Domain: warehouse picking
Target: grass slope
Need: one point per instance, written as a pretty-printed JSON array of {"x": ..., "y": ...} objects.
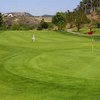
[{"x": 56, "y": 67}]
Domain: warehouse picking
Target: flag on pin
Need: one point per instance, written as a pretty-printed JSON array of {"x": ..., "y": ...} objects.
[
  {"x": 92, "y": 39},
  {"x": 90, "y": 33}
]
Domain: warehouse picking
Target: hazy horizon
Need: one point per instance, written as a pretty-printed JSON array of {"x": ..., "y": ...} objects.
[{"x": 36, "y": 7}]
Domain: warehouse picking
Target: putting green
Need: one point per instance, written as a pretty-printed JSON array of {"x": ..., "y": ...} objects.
[{"x": 57, "y": 66}]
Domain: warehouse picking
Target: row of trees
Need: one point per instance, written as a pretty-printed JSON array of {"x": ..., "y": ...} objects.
[
  {"x": 79, "y": 16},
  {"x": 76, "y": 18},
  {"x": 89, "y": 5},
  {"x": 1, "y": 20}
]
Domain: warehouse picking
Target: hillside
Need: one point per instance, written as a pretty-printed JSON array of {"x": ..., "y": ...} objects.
[
  {"x": 46, "y": 18},
  {"x": 23, "y": 19},
  {"x": 12, "y": 15},
  {"x": 17, "y": 14}
]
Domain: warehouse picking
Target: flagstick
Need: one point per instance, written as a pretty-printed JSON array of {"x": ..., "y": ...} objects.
[{"x": 92, "y": 39}]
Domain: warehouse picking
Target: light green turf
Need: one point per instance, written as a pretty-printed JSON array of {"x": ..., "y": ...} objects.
[{"x": 58, "y": 66}]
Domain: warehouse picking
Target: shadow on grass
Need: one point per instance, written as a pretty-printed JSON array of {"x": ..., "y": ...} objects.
[{"x": 1, "y": 31}]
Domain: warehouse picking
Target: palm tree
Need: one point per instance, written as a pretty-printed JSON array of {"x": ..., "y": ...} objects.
[{"x": 89, "y": 6}]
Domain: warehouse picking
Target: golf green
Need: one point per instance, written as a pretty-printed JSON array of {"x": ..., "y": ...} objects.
[{"x": 57, "y": 66}]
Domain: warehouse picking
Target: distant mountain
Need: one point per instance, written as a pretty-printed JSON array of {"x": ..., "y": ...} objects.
[
  {"x": 18, "y": 14},
  {"x": 15, "y": 16},
  {"x": 21, "y": 14},
  {"x": 47, "y": 15}
]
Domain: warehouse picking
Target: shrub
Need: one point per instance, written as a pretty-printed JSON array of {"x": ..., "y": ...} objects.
[
  {"x": 39, "y": 28},
  {"x": 98, "y": 24}
]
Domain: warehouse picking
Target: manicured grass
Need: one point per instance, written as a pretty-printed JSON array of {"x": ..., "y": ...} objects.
[{"x": 56, "y": 67}]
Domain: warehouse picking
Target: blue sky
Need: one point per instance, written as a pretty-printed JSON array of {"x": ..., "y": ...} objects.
[{"x": 37, "y": 7}]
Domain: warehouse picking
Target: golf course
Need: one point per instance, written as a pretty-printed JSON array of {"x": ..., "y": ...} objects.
[{"x": 57, "y": 66}]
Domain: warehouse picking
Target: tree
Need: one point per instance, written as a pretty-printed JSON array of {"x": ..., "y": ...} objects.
[
  {"x": 1, "y": 20},
  {"x": 98, "y": 24},
  {"x": 59, "y": 20},
  {"x": 50, "y": 25},
  {"x": 89, "y": 5},
  {"x": 79, "y": 19},
  {"x": 42, "y": 25},
  {"x": 70, "y": 18}
]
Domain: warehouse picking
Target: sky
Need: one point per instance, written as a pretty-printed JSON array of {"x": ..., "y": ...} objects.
[{"x": 37, "y": 7}]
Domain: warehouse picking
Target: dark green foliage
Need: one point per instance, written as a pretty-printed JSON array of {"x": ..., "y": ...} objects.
[
  {"x": 50, "y": 25},
  {"x": 89, "y": 5},
  {"x": 39, "y": 27},
  {"x": 20, "y": 27},
  {"x": 1, "y": 20},
  {"x": 43, "y": 25},
  {"x": 98, "y": 12},
  {"x": 59, "y": 20},
  {"x": 70, "y": 18},
  {"x": 98, "y": 24},
  {"x": 80, "y": 18}
]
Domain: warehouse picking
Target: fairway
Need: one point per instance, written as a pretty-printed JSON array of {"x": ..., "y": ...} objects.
[{"x": 57, "y": 66}]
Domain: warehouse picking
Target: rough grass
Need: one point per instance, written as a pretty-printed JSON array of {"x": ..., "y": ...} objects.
[
  {"x": 85, "y": 30},
  {"x": 95, "y": 30},
  {"x": 56, "y": 67}
]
